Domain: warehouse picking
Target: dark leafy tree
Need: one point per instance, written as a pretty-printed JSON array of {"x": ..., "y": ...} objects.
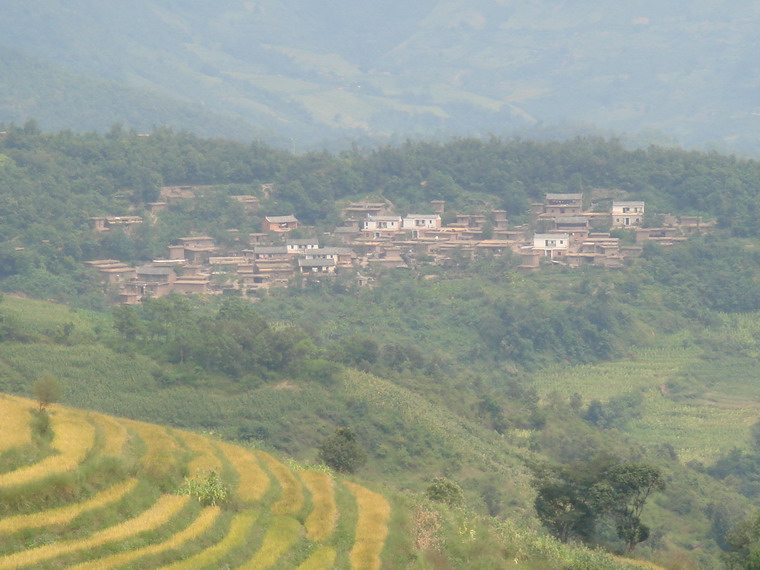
[
  {"x": 443, "y": 490},
  {"x": 342, "y": 451},
  {"x": 622, "y": 494}
]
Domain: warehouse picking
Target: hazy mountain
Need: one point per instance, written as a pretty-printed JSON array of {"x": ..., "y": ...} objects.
[{"x": 320, "y": 70}]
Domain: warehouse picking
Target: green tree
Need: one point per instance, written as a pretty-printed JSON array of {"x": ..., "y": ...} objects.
[
  {"x": 443, "y": 490},
  {"x": 47, "y": 390},
  {"x": 342, "y": 451},
  {"x": 622, "y": 494}
]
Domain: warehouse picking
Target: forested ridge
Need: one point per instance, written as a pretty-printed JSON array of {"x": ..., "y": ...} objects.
[
  {"x": 529, "y": 390},
  {"x": 52, "y": 183}
]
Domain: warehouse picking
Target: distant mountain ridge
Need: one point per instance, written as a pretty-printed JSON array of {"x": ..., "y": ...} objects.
[{"x": 359, "y": 69}]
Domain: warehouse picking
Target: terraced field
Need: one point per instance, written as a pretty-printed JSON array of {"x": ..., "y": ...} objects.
[
  {"x": 699, "y": 426},
  {"x": 109, "y": 496}
]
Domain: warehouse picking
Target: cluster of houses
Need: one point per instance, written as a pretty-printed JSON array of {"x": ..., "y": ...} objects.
[{"x": 373, "y": 236}]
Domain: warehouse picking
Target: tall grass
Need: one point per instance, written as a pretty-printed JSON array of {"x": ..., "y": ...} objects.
[
  {"x": 371, "y": 528},
  {"x": 238, "y": 534},
  {"x": 63, "y": 515},
  {"x": 200, "y": 525},
  {"x": 161, "y": 513},
  {"x": 292, "y": 499},
  {"x": 321, "y": 521},
  {"x": 283, "y": 532},
  {"x": 253, "y": 481},
  {"x": 73, "y": 439}
]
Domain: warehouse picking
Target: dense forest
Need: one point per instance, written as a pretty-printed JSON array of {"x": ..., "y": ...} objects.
[{"x": 531, "y": 391}]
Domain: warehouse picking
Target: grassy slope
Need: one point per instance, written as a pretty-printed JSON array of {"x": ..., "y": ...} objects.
[
  {"x": 131, "y": 516},
  {"x": 410, "y": 436}
]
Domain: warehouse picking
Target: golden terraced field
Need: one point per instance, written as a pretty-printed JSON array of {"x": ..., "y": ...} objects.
[{"x": 106, "y": 493}]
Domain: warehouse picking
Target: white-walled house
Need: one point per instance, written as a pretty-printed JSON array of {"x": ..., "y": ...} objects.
[
  {"x": 551, "y": 245},
  {"x": 421, "y": 222},
  {"x": 627, "y": 214},
  {"x": 382, "y": 223}
]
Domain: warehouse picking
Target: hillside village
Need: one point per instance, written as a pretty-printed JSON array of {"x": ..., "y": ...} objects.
[{"x": 373, "y": 236}]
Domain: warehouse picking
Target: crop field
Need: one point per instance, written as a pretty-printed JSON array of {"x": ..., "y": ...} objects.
[
  {"x": 74, "y": 436},
  {"x": 715, "y": 416},
  {"x": 291, "y": 498},
  {"x": 321, "y": 520},
  {"x": 371, "y": 529},
  {"x": 205, "y": 458},
  {"x": 16, "y": 421},
  {"x": 275, "y": 517}
]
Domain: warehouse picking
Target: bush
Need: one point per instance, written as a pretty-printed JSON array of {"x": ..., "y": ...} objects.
[{"x": 342, "y": 451}]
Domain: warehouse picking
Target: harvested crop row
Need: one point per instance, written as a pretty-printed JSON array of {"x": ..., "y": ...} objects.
[
  {"x": 282, "y": 534},
  {"x": 195, "y": 529},
  {"x": 205, "y": 455},
  {"x": 240, "y": 530},
  {"x": 321, "y": 521},
  {"x": 160, "y": 513},
  {"x": 15, "y": 427},
  {"x": 163, "y": 451},
  {"x": 371, "y": 528},
  {"x": 291, "y": 500},
  {"x": 321, "y": 559},
  {"x": 63, "y": 515},
  {"x": 73, "y": 439},
  {"x": 253, "y": 481},
  {"x": 114, "y": 435}
]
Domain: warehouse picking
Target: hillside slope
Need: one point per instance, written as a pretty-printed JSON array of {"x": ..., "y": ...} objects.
[
  {"x": 436, "y": 66},
  {"x": 110, "y": 493},
  {"x": 104, "y": 492}
]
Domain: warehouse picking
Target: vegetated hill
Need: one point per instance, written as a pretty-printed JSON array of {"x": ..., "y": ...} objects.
[
  {"x": 97, "y": 491},
  {"x": 61, "y": 99},
  {"x": 436, "y": 66},
  {"x": 480, "y": 429}
]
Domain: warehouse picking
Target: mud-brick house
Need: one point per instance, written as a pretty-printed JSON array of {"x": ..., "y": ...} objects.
[
  {"x": 360, "y": 210},
  {"x": 627, "y": 214},
  {"x": 112, "y": 271},
  {"x": 553, "y": 246},
  {"x": 576, "y": 226},
  {"x": 198, "y": 241},
  {"x": 279, "y": 224},
  {"x": 296, "y": 246},
  {"x": 151, "y": 281},
  {"x": 316, "y": 265},
  {"x": 249, "y": 203},
  {"x": 530, "y": 259},
  {"x": 342, "y": 256},
  {"x": 472, "y": 221},
  {"x": 107, "y": 223},
  {"x": 196, "y": 250},
  {"x": 188, "y": 284},
  {"x": 269, "y": 252},
  {"x": 563, "y": 204}
]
